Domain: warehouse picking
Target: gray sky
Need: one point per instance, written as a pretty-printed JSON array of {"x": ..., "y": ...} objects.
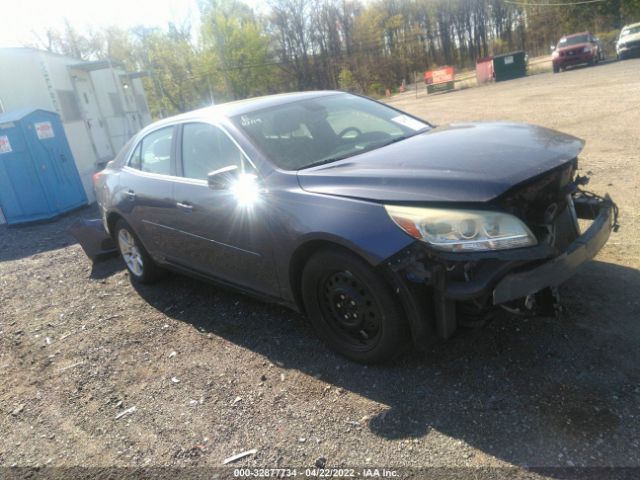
[{"x": 21, "y": 17}]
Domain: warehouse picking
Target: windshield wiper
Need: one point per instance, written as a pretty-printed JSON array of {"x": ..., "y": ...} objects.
[{"x": 330, "y": 160}]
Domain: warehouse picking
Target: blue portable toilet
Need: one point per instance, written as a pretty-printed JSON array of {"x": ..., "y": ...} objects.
[{"x": 38, "y": 174}]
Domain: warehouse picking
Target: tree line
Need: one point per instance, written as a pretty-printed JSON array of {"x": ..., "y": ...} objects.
[{"x": 329, "y": 44}]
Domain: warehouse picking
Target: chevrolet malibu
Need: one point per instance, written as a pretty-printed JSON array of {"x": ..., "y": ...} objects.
[{"x": 383, "y": 229}]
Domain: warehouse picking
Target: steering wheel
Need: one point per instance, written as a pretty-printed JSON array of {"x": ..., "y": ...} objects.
[{"x": 350, "y": 129}]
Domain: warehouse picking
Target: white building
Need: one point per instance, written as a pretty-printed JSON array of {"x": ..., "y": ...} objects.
[{"x": 101, "y": 104}]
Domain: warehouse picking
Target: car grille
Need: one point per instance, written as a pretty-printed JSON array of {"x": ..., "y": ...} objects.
[
  {"x": 571, "y": 53},
  {"x": 540, "y": 202}
]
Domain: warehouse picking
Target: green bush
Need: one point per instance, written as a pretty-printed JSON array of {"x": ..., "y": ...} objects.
[
  {"x": 345, "y": 80},
  {"x": 376, "y": 88},
  {"x": 609, "y": 40}
]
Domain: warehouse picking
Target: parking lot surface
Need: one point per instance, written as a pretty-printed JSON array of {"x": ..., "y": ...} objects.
[{"x": 97, "y": 372}]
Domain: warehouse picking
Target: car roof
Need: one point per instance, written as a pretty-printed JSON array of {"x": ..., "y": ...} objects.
[
  {"x": 631, "y": 25},
  {"x": 240, "y": 107}
]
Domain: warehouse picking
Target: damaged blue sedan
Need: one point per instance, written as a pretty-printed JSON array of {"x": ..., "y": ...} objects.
[{"x": 383, "y": 229}]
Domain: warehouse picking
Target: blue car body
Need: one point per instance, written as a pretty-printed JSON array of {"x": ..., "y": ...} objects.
[{"x": 187, "y": 226}]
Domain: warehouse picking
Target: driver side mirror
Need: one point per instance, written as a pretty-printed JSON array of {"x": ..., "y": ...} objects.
[{"x": 223, "y": 178}]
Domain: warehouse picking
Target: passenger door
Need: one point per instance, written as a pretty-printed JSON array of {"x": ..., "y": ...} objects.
[
  {"x": 146, "y": 191},
  {"x": 221, "y": 237}
]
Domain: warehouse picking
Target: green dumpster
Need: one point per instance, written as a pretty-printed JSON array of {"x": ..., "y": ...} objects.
[{"x": 510, "y": 66}]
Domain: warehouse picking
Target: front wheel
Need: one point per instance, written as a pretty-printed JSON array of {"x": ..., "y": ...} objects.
[
  {"x": 141, "y": 267},
  {"x": 556, "y": 69},
  {"x": 352, "y": 308}
]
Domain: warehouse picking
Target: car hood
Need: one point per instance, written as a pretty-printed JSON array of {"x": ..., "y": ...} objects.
[
  {"x": 577, "y": 46},
  {"x": 462, "y": 162}
]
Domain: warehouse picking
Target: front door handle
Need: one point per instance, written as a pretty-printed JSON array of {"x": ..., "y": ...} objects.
[
  {"x": 184, "y": 206},
  {"x": 131, "y": 194}
]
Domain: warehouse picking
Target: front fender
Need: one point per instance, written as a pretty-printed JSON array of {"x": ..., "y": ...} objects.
[{"x": 299, "y": 218}]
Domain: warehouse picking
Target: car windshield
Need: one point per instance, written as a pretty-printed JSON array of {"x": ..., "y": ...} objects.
[
  {"x": 325, "y": 129},
  {"x": 575, "y": 40},
  {"x": 629, "y": 31}
]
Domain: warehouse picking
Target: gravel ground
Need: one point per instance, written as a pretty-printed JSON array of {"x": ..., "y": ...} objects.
[{"x": 96, "y": 372}]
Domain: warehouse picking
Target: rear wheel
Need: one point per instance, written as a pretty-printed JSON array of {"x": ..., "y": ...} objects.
[
  {"x": 351, "y": 307},
  {"x": 141, "y": 267}
]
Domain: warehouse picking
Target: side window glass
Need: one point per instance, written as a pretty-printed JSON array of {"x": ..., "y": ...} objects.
[
  {"x": 206, "y": 148},
  {"x": 134, "y": 159},
  {"x": 155, "y": 152}
]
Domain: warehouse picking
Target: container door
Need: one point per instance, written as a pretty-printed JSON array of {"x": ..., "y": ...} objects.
[
  {"x": 21, "y": 193},
  {"x": 55, "y": 163},
  {"x": 92, "y": 118}
]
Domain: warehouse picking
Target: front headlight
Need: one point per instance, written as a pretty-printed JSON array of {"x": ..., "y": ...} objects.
[
  {"x": 587, "y": 50},
  {"x": 462, "y": 230}
]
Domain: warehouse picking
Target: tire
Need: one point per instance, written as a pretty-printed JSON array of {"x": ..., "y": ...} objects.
[
  {"x": 556, "y": 69},
  {"x": 352, "y": 309},
  {"x": 141, "y": 267}
]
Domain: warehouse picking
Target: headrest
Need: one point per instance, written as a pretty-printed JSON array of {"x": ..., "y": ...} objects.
[{"x": 286, "y": 122}]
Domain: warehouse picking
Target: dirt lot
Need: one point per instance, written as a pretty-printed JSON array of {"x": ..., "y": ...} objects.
[{"x": 212, "y": 373}]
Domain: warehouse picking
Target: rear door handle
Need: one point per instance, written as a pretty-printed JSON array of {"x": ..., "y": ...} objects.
[
  {"x": 131, "y": 194},
  {"x": 184, "y": 206}
]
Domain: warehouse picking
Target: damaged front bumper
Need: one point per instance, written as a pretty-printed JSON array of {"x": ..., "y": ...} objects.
[
  {"x": 482, "y": 280},
  {"x": 559, "y": 269}
]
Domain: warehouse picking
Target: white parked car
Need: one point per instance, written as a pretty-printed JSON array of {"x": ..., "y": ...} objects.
[{"x": 629, "y": 41}]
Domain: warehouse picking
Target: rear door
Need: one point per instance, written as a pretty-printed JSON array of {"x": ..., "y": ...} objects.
[
  {"x": 220, "y": 236},
  {"x": 145, "y": 194}
]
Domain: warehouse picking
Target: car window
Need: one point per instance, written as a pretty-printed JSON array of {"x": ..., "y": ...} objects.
[
  {"x": 574, "y": 40},
  {"x": 153, "y": 153},
  {"x": 630, "y": 30},
  {"x": 351, "y": 121},
  {"x": 134, "y": 159},
  {"x": 206, "y": 148},
  {"x": 324, "y": 129}
]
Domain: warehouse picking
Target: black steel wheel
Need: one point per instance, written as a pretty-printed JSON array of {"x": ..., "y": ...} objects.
[{"x": 352, "y": 308}]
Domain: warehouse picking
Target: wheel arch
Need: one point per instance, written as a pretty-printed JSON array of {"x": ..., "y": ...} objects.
[
  {"x": 415, "y": 306},
  {"x": 112, "y": 219},
  {"x": 301, "y": 256}
]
